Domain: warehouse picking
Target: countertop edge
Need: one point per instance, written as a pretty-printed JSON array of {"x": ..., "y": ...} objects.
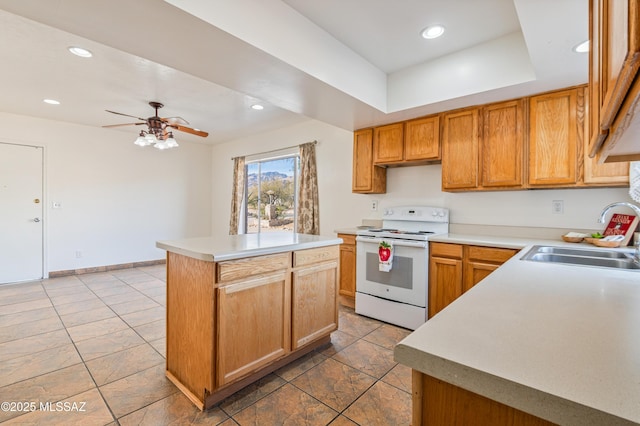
[{"x": 524, "y": 398}]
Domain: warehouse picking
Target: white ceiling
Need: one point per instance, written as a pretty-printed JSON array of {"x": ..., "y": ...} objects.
[{"x": 351, "y": 64}]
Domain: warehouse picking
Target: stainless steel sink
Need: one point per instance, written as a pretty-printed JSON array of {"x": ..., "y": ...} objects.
[
  {"x": 570, "y": 251},
  {"x": 582, "y": 257}
]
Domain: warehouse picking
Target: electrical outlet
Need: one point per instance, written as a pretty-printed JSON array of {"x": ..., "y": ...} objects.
[
  {"x": 374, "y": 205},
  {"x": 557, "y": 207},
  {"x": 78, "y": 254}
]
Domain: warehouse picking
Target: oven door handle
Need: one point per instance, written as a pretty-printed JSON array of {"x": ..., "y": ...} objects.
[{"x": 399, "y": 243}]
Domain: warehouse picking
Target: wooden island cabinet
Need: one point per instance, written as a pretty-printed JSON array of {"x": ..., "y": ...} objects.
[{"x": 236, "y": 314}]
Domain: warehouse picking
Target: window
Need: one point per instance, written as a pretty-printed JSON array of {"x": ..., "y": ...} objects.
[{"x": 270, "y": 203}]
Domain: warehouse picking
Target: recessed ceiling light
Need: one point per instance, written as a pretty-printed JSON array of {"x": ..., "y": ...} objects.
[
  {"x": 257, "y": 107},
  {"x": 51, "y": 101},
  {"x": 79, "y": 51},
  {"x": 433, "y": 31},
  {"x": 582, "y": 47}
]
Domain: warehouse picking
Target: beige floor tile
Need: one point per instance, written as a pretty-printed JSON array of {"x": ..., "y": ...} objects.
[
  {"x": 339, "y": 341},
  {"x": 334, "y": 384},
  {"x": 111, "y": 289},
  {"x": 33, "y": 344},
  {"x": 121, "y": 364},
  {"x": 28, "y": 316},
  {"x": 96, "y": 328},
  {"x": 343, "y": 421},
  {"x": 368, "y": 358},
  {"x": 175, "y": 409},
  {"x": 26, "y": 306},
  {"x": 153, "y": 330},
  {"x": 60, "y": 282},
  {"x": 122, "y": 297},
  {"x": 21, "y": 288},
  {"x": 161, "y": 299},
  {"x": 107, "y": 344},
  {"x": 31, "y": 328},
  {"x": 287, "y": 405},
  {"x": 79, "y": 297},
  {"x": 400, "y": 377},
  {"x": 252, "y": 393},
  {"x": 10, "y": 299},
  {"x": 160, "y": 345},
  {"x": 387, "y": 335},
  {"x": 87, "y": 408},
  {"x": 146, "y": 316},
  {"x": 134, "y": 305},
  {"x": 151, "y": 284},
  {"x": 299, "y": 366},
  {"x": 32, "y": 365},
  {"x": 54, "y": 386},
  {"x": 356, "y": 325},
  {"x": 97, "y": 277},
  {"x": 80, "y": 318},
  {"x": 134, "y": 392},
  {"x": 71, "y": 308},
  {"x": 381, "y": 405}
]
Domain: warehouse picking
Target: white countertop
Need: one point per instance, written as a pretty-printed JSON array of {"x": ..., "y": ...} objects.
[
  {"x": 558, "y": 341},
  {"x": 228, "y": 247}
]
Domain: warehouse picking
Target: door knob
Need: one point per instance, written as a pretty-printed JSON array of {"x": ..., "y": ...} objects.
[{"x": 37, "y": 219}]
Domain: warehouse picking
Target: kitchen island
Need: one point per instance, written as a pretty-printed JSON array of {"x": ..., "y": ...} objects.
[
  {"x": 533, "y": 343},
  {"x": 242, "y": 306}
]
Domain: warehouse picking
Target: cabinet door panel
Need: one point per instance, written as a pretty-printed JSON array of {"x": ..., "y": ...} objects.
[
  {"x": 474, "y": 272},
  {"x": 348, "y": 270},
  {"x": 503, "y": 145},
  {"x": 388, "y": 143},
  {"x": 445, "y": 283},
  {"x": 314, "y": 299},
  {"x": 253, "y": 325},
  {"x": 553, "y": 138},
  {"x": 367, "y": 178},
  {"x": 422, "y": 139},
  {"x": 460, "y": 150}
]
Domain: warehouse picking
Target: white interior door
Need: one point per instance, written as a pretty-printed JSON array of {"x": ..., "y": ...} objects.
[{"x": 21, "y": 208}]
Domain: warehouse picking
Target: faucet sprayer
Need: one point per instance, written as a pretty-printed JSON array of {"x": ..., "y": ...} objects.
[{"x": 618, "y": 204}]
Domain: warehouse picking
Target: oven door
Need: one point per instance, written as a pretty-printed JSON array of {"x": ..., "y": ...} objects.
[{"x": 406, "y": 282}]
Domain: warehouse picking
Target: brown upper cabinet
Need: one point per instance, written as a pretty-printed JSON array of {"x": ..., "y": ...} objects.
[
  {"x": 553, "y": 138},
  {"x": 614, "y": 61},
  {"x": 407, "y": 143},
  {"x": 367, "y": 178},
  {"x": 483, "y": 148},
  {"x": 460, "y": 146}
]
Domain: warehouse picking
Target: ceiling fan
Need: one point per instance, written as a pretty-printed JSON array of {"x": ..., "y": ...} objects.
[{"x": 159, "y": 130}]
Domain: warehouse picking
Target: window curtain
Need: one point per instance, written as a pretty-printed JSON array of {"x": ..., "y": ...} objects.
[
  {"x": 237, "y": 198},
  {"x": 308, "y": 211}
]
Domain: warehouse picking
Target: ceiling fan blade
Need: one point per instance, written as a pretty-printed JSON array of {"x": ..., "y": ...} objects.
[
  {"x": 186, "y": 129},
  {"x": 124, "y": 124},
  {"x": 126, "y": 115},
  {"x": 175, "y": 120}
]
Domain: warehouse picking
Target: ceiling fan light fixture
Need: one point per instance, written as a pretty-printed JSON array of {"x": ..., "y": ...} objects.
[
  {"x": 432, "y": 31},
  {"x": 51, "y": 101},
  {"x": 141, "y": 140},
  {"x": 161, "y": 145},
  {"x": 582, "y": 47},
  {"x": 171, "y": 141}
]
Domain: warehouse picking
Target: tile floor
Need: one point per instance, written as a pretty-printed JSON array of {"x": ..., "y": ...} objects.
[{"x": 89, "y": 350}]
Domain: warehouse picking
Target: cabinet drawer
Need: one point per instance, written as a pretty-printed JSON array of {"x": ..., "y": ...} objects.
[
  {"x": 446, "y": 250},
  {"x": 489, "y": 254},
  {"x": 347, "y": 239},
  {"x": 315, "y": 255},
  {"x": 231, "y": 270}
]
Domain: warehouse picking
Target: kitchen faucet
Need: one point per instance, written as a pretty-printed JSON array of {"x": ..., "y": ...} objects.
[{"x": 636, "y": 255}]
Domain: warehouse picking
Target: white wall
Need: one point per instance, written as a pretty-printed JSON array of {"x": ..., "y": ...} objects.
[
  {"x": 117, "y": 199},
  {"x": 340, "y": 208}
]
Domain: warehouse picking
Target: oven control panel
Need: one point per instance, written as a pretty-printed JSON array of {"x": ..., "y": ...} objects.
[{"x": 417, "y": 213}]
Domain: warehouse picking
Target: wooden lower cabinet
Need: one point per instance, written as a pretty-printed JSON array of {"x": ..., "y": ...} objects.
[
  {"x": 455, "y": 268},
  {"x": 254, "y": 326},
  {"x": 438, "y": 403},
  {"x": 348, "y": 269},
  {"x": 231, "y": 323}
]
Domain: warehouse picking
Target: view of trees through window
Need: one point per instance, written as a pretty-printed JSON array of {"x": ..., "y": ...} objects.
[{"x": 271, "y": 199}]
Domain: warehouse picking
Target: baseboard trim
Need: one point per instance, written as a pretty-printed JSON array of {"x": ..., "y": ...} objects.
[{"x": 106, "y": 268}]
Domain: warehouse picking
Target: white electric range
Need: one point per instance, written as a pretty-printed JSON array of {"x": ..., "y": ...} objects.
[{"x": 399, "y": 296}]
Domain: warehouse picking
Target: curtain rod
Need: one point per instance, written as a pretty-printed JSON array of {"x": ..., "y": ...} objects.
[{"x": 276, "y": 150}]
